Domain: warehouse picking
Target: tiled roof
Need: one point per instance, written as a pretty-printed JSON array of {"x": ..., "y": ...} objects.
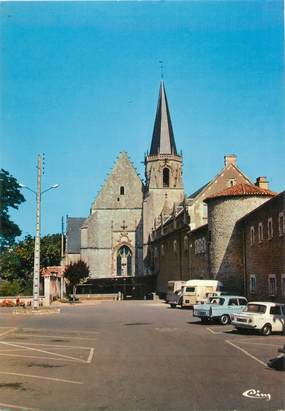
[
  {"x": 52, "y": 270},
  {"x": 242, "y": 190}
]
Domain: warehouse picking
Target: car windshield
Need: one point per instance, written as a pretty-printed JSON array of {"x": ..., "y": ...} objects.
[
  {"x": 255, "y": 308},
  {"x": 215, "y": 300}
]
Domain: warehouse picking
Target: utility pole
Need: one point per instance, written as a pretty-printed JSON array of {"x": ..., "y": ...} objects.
[{"x": 36, "y": 284}]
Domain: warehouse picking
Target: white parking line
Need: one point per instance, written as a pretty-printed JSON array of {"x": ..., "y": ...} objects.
[
  {"x": 214, "y": 332},
  {"x": 8, "y": 331},
  {"x": 51, "y": 345},
  {"x": 15, "y": 407},
  {"x": 38, "y": 357},
  {"x": 90, "y": 357},
  {"x": 39, "y": 377},
  {"x": 43, "y": 351},
  {"x": 252, "y": 343},
  {"x": 246, "y": 353}
]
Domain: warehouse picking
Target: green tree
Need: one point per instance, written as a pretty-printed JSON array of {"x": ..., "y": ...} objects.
[
  {"x": 76, "y": 273},
  {"x": 10, "y": 196},
  {"x": 17, "y": 262}
]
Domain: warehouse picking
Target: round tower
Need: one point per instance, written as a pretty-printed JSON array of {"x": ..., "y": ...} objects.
[{"x": 225, "y": 236}]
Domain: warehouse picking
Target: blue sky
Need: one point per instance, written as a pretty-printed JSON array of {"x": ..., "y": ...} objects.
[{"x": 79, "y": 82}]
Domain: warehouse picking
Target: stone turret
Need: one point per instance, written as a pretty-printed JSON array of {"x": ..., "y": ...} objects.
[{"x": 225, "y": 248}]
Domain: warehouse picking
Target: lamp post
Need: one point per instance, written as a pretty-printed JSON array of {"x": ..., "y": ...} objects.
[{"x": 37, "y": 253}]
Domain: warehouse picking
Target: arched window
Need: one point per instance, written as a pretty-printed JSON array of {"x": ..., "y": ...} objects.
[
  {"x": 166, "y": 177},
  {"x": 124, "y": 261},
  {"x": 122, "y": 190}
]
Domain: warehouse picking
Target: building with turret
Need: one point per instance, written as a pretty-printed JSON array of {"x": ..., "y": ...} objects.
[{"x": 151, "y": 229}]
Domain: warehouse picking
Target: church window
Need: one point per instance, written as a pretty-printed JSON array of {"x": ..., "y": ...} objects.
[
  {"x": 122, "y": 190},
  {"x": 124, "y": 261},
  {"x": 166, "y": 177},
  {"x": 252, "y": 235},
  {"x": 260, "y": 232}
]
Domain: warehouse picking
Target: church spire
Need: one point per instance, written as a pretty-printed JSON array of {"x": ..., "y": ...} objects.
[{"x": 162, "y": 138}]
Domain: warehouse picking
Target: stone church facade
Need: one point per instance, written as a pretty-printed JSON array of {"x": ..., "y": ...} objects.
[{"x": 114, "y": 239}]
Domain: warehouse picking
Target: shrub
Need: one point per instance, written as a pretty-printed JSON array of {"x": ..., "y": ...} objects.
[{"x": 9, "y": 288}]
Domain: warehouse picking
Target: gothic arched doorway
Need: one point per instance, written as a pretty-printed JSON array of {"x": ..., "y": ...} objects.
[{"x": 124, "y": 261}]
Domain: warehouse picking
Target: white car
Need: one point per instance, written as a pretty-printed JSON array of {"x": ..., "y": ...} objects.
[{"x": 262, "y": 316}]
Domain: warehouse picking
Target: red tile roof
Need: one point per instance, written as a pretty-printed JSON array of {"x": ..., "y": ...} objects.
[
  {"x": 243, "y": 189},
  {"x": 52, "y": 270}
]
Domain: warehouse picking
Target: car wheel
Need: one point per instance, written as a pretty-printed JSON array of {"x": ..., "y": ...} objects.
[
  {"x": 173, "y": 305},
  {"x": 266, "y": 329},
  {"x": 225, "y": 319}
]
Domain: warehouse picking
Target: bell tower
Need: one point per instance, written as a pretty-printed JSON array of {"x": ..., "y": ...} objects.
[{"x": 163, "y": 168}]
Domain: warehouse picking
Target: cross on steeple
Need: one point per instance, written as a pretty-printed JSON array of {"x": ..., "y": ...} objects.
[{"x": 161, "y": 69}]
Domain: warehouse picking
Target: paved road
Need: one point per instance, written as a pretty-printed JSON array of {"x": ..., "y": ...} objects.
[{"x": 133, "y": 356}]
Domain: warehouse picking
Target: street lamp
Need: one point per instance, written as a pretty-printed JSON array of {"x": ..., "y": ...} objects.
[{"x": 38, "y": 193}]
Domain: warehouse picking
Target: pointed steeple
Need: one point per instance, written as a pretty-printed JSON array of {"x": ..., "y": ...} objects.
[{"x": 162, "y": 138}]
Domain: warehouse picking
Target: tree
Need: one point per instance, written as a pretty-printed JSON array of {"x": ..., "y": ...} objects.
[
  {"x": 10, "y": 196},
  {"x": 76, "y": 273},
  {"x": 17, "y": 262}
]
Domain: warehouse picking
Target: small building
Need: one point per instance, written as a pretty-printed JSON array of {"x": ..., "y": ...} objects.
[{"x": 53, "y": 283}]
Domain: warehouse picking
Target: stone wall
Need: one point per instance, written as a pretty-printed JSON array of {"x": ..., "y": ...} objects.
[
  {"x": 199, "y": 253},
  {"x": 226, "y": 258},
  {"x": 171, "y": 252},
  {"x": 265, "y": 256}
]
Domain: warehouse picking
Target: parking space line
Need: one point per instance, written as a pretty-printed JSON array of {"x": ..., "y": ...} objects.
[
  {"x": 252, "y": 343},
  {"x": 52, "y": 345},
  {"x": 43, "y": 351},
  {"x": 39, "y": 357},
  {"x": 8, "y": 331},
  {"x": 17, "y": 407},
  {"x": 214, "y": 332},
  {"x": 246, "y": 353},
  {"x": 40, "y": 377},
  {"x": 90, "y": 357}
]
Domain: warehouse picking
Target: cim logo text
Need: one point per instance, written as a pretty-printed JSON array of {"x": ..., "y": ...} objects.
[{"x": 256, "y": 394}]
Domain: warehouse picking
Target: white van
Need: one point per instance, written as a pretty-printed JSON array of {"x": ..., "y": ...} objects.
[
  {"x": 195, "y": 292},
  {"x": 172, "y": 288}
]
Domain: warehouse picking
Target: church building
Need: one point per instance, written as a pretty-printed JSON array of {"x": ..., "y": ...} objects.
[
  {"x": 140, "y": 230},
  {"x": 113, "y": 240}
]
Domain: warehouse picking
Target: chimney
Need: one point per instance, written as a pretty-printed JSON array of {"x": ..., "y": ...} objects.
[
  {"x": 261, "y": 182},
  {"x": 230, "y": 159}
]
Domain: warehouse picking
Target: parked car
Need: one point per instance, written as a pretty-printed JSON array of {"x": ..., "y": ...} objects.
[
  {"x": 194, "y": 292},
  {"x": 220, "y": 308},
  {"x": 262, "y": 316}
]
